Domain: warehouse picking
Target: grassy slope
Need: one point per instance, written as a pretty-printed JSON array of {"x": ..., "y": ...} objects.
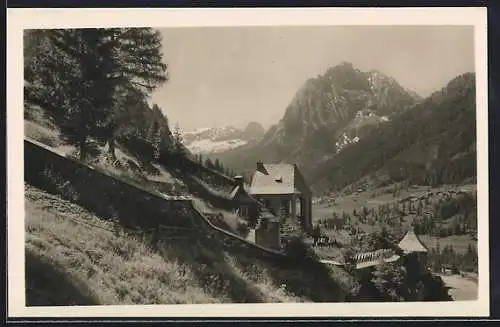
[
  {"x": 97, "y": 266},
  {"x": 215, "y": 275},
  {"x": 39, "y": 129}
]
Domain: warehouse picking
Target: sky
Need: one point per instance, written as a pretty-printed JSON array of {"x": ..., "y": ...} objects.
[{"x": 221, "y": 76}]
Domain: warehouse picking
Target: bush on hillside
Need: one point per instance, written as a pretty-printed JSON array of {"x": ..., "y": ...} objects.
[
  {"x": 389, "y": 279},
  {"x": 242, "y": 229},
  {"x": 295, "y": 246},
  {"x": 349, "y": 260},
  {"x": 407, "y": 280}
]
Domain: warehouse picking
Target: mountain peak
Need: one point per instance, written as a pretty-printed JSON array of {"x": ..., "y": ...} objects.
[
  {"x": 346, "y": 65},
  {"x": 322, "y": 116},
  {"x": 343, "y": 67},
  {"x": 254, "y": 130}
]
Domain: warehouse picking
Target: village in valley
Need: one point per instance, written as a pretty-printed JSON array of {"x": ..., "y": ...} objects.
[
  {"x": 373, "y": 199},
  {"x": 287, "y": 200}
]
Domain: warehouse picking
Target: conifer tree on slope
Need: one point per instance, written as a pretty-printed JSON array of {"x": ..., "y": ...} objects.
[{"x": 76, "y": 73}]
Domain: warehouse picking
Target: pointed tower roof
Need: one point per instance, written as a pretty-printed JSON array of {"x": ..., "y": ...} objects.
[{"x": 412, "y": 243}]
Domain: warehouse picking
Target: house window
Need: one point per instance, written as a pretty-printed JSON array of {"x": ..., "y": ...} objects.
[{"x": 243, "y": 211}]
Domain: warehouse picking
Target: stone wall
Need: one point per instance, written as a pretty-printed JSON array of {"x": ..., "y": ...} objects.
[
  {"x": 108, "y": 196},
  {"x": 135, "y": 205}
]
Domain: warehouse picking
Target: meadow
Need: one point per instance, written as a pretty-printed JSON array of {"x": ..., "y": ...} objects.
[{"x": 350, "y": 203}]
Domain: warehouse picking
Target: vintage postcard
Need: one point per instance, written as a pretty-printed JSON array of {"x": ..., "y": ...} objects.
[{"x": 307, "y": 162}]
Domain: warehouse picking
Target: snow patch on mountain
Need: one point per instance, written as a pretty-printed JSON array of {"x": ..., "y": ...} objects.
[
  {"x": 344, "y": 140},
  {"x": 208, "y": 146},
  {"x": 219, "y": 139},
  {"x": 351, "y": 134}
]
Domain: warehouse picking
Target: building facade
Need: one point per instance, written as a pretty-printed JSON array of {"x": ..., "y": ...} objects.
[{"x": 284, "y": 191}]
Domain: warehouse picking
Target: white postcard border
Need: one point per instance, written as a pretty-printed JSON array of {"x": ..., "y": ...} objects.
[{"x": 19, "y": 19}]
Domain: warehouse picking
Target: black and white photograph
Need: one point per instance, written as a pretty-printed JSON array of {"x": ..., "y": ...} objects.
[{"x": 329, "y": 165}]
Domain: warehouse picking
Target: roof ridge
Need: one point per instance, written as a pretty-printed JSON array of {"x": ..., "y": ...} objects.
[{"x": 410, "y": 237}]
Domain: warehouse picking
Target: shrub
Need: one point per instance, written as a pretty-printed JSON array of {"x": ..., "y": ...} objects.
[
  {"x": 243, "y": 229},
  {"x": 296, "y": 247},
  {"x": 389, "y": 279},
  {"x": 349, "y": 260}
]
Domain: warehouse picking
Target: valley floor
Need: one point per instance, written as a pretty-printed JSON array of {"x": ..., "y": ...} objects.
[{"x": 372, "y": 199}]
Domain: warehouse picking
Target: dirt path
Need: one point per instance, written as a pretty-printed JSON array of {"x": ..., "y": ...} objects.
[{"x": 461, "y": 289}]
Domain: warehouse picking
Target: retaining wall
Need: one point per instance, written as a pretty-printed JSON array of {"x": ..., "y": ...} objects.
[
  {"x": 106, "y": 195},
  {"x": 110, "y": 196}
]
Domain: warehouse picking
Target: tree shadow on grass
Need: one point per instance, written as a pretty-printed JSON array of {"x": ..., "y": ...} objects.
[
  {"x": 50, "y": 285},
  {"x": 213, "y": 273},
  {"x": 207, "y": 259},
  {"x": 307, "y": 279}
]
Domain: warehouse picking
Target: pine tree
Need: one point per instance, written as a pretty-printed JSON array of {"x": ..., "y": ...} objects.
[
  {"x": 208, "y": 163},
  {"x": 157, "y": 145},
  {"x": 217, "y": 165},
  {"x": 178, "y": 146},
  {"x": 70, "y": 70},
  {"x": 78, "y": 74}
]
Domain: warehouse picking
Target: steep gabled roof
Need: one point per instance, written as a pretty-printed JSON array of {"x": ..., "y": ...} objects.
[
  {"x": 276, "y": 179},
  {"x": 238, "y": 188},
  {"x": 412, "y": 243}
]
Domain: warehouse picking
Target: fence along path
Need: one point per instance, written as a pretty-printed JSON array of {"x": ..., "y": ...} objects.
[
  {"x": 363, "y": 259},
  {"x": 368, "y": 259},
  {"x": 190, "y": 204},
  {"x": 233, "y": 236}
]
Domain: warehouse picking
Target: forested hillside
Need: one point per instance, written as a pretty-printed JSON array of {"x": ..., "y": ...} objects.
[{"x": 91, "y": 87}]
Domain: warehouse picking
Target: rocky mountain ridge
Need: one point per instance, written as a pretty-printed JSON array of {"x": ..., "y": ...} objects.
[
  {"x": 432, "y": 143},
  {"x": 342, "y": 103}
]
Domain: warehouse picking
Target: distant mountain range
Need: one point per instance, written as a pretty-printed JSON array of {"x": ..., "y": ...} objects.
[
  {"x": 327, "y": 114},
  {"x": 346, "y": 125},
  {"x": 217, "y": 139},
  {"x": 432, "y": 143}
]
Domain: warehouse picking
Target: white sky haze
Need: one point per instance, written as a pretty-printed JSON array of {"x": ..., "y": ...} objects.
[{"x": 233, "y": 75}]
